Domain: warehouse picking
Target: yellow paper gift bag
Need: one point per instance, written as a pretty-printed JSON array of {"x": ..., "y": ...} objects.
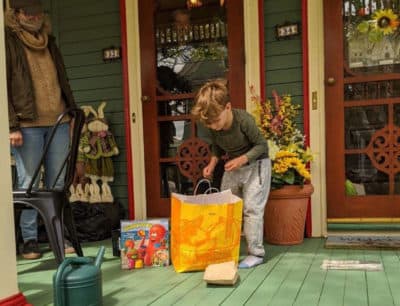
[{"x": 205, "y": 229}]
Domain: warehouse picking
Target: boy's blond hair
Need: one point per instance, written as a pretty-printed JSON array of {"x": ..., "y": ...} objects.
[{"x": 210, "y": 101}]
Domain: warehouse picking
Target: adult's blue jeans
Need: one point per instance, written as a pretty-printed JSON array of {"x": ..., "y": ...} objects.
[{"x": 27, "y": 158}]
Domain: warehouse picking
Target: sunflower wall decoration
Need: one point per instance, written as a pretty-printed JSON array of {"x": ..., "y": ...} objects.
[
  {"x": 373, "y": 36},
  {"x": 384, "y": 22}
]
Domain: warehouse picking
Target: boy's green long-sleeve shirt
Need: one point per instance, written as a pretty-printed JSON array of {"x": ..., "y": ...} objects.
[{"x": 243, "y": 137}]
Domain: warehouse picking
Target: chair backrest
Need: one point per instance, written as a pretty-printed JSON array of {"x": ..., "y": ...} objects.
[{"x": 78, "y": 119}]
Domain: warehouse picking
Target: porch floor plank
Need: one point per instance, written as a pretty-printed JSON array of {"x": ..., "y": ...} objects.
[
  {"x": 379, "y": 292},
  {"x": 291, "y": 275},
  {"x": 333, "y": 289},
  {"x": 144, "y": 287},
  {"x": 251, "y": 279},
  {"x": 175, "y": 293},
  {"x": 269, "y": 292},
  {"x": 293, "y": 281},
  {"x": 355, "y": 291},
  {"x": 310, "y": 291},
  {"x": 391, "y": 265}
]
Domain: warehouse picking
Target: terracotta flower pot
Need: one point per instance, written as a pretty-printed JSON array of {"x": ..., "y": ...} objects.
[{"x": 285, "y": 214}]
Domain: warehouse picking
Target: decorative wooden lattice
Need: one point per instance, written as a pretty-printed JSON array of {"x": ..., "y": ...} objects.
[
  {"x": 193, "y": 155},
  {"x": 384, "y": 150}
]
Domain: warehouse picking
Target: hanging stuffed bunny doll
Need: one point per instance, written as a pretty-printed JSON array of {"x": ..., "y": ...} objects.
[
  {"x": 79, "y": 189},
  {"x": 98, "y": 146}
]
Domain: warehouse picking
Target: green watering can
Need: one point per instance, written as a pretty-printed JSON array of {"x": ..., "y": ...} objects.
[{"x": 77, "y": 281}]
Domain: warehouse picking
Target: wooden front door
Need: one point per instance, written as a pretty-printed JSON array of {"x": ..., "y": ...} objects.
[
  {"x": 181, "y": 48},
  {"x": 362, "y": 94}
]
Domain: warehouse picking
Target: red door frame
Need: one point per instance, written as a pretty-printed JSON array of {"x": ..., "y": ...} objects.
[{"x": 127, "y": 111}]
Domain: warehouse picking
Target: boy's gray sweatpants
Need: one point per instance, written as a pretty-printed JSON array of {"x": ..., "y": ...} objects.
[{"x": 251, "y": 183}]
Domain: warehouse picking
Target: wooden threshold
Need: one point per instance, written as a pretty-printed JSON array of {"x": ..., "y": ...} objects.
[{"x": 363, "y": 220}]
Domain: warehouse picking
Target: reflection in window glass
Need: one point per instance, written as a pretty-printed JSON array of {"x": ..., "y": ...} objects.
[
  {"x": 364, "y": 176},
  {"x": 361, "y": 123},
  {"x": 172, "y": 134},
  {"x": 397, "y": 184},
  {"x": 192, "y": 43},
  {"x": 396, "y": 119},
  {"x": 175, "y": 107},
  {"x": 173, "y": 181}
]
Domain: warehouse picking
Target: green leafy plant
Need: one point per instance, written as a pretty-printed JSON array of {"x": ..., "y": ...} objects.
[{"x": 286, "y": 142}]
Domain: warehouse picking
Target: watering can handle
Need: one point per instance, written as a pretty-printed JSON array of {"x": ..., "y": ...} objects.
[
  {"x": 99, "y": 257},
  {"x": 58, "y": 299}
]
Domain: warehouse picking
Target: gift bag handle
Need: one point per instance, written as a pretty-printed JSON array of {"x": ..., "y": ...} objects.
[{"x": 210, "y": 189}]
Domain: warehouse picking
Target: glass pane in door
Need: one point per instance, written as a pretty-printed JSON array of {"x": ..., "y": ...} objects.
[
  {"x": 191, "y": 44},
  {"x": 191, "y": 49},
  {"x": 371, "y": 29},
  {"x": 371, "y": 92}
]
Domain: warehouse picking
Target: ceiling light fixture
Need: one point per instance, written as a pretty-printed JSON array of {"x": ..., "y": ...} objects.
[{"x": 193, "y": 3}]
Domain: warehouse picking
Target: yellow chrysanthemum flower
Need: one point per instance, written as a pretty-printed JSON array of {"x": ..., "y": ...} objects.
[
  {"x": 280, "y": 167},
  {"x": 285, "y": 154}
]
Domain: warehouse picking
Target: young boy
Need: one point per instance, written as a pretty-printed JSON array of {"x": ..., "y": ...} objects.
[{"x": 247, "y": 169}]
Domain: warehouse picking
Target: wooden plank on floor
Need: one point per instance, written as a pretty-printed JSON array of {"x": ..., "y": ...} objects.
[
  {"x": 311, "y": 288},
  {"x": 35, "y": 279},
  {"x": 201, "y": 293},
  {"x": 174, "y": 294},
  {"x": 42, "y": 295},
  {"x": 355, "y": 290},
  {"x": 379, "y": 292},
  {"x": 289, "y": 271},
  {"x": 145, "y": 285},
  {"x": 256, "y": 276},
  {"x": 217, "y": 294},
  {"x": 333, "y": 288},
  {"x": 195, "y": 291},
  {"x": 281, "y": 286},
  {"x": 391, "y": 264}
]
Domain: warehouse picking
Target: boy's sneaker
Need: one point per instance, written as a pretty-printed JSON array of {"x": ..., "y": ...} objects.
[
  {"x": 30, "y": 250},
  {"x": 250, "y": 262}
]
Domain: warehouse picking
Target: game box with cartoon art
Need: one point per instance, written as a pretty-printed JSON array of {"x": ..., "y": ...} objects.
[{"x": 144, "y": 243}]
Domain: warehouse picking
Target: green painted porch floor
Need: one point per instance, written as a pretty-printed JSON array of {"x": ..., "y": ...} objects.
[{"x": 291, "y": 276}]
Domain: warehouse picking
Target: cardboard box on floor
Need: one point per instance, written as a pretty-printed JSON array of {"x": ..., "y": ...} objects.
[
  {"x": 144, "y": 243},
  {"x": 224, "y": 273}
]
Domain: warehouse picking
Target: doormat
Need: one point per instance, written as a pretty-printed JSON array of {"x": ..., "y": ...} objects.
[
  {"x": 363, "y": 242},
  {"x": 351, "y": 265}
]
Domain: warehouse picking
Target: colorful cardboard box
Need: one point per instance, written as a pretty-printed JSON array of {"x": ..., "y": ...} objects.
[{"x": 144, "y": 243}]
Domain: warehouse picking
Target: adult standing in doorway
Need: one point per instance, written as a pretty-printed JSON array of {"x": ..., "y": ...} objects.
[{"x": 38, "y": 91}]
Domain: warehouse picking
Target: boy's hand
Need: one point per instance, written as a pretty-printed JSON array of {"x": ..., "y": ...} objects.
[
  {"x": 208, "y": 171},
  {"x": 236, "y": 163}
]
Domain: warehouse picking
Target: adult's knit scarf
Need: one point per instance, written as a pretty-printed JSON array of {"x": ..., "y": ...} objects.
[{"x": 34, "y": 42}]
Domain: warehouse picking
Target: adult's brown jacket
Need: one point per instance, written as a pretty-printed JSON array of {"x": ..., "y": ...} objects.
[{"x": 21, "y": 96}]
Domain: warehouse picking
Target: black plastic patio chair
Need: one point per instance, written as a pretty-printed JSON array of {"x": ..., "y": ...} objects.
[{"x": 52, "y": 204}]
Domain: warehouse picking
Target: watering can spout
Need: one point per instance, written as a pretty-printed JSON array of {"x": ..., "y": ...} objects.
[{"x": 99, "y": 257}]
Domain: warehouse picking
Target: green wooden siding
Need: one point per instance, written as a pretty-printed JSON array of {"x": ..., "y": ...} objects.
[
  {"x": 83, "y": 29},
  {"x": 283, "y": 58}
]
